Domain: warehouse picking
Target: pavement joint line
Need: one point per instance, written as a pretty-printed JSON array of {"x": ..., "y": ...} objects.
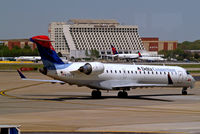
[
  {"x": 100, "y": 131},
  {"x": 132, "y": 108}
]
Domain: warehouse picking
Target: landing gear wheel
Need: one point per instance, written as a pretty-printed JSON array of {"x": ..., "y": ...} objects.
[
  {"x": 96, "y": 94},
  {"x": 122, "y": 94},
  {"x": 184, "y": 91}
]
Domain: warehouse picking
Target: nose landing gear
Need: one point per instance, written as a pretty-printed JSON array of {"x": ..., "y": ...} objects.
[{"x": 184, "y": 91}]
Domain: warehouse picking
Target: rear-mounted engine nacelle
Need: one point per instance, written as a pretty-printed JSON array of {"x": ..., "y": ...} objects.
[{"x": 92, "y": 68}]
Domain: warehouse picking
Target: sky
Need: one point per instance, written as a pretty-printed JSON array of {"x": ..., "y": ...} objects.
[{"x": 166, "y": 19}]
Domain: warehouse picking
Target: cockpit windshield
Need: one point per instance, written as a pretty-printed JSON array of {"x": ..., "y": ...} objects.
[{"x": 187, "y": 72}]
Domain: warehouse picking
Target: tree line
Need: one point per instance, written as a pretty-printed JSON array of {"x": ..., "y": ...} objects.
[
  {"x": 181, "y": 54},
  {"x": 17, "y": 51}
]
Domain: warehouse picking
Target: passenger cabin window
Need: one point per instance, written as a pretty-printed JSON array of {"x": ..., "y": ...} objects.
[
  {"x": 119, "y": 71},
  {"x": 132, "y": 72},
  {"x": 115, "y": 71},
  {"x": 106, "y": 71},
  {"x": 111, "y": 71}
]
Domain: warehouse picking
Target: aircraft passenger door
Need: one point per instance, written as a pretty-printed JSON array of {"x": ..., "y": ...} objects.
[{"x": 180, "y": 76}]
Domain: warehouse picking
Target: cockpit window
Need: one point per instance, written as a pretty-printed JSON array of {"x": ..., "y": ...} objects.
[{"x": 187, "y": 72}]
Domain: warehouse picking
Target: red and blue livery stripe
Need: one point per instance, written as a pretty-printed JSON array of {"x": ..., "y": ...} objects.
[
  {"x": 114, "y": 50},
  {"x": 48, "y": 55}
]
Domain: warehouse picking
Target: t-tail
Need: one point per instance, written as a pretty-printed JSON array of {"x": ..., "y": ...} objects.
[
  {"x": 114, "y": 50},
  {"x": 139, "y": 54},
  {"x": 48, "y": 55}
]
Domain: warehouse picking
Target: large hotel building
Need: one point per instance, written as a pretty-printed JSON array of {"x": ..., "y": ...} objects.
[{"x": 75, "y": 37}]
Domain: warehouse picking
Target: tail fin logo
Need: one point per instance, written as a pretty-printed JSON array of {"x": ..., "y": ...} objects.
[
  {"x": 46, "y": 50},
  {"x": 139, "y": 54},
  {"x": 114, "y": 50}
]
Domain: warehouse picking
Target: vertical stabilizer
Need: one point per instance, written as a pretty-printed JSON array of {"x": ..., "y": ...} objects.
[
  {"x": 114, "y": 50},
  {"x": 48, "y": 54},
  {"x": 139, "y": 54}
]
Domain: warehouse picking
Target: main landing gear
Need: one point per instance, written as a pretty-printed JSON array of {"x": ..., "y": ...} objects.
[
  {"x": 122, "y": 94},
  {"x": 96, "y": 94},
  {"x": 184, "y": 91}
]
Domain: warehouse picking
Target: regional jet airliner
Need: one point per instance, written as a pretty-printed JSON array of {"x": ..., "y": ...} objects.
[{"x": 103, "y": 76}]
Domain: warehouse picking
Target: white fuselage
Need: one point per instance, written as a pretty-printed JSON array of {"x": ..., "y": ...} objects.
[
  {"x": 113, "y": 75},
  {"x": 28, "y": 58},
  {"x": 152, "y": 58},
  {"x": 127, "y": 56}
]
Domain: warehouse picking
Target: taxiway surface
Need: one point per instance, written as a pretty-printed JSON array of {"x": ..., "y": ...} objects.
[{"x": 45, "y": 107}]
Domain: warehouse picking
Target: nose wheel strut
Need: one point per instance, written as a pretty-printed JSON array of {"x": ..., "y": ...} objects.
[{"x": 184, "y": 91}]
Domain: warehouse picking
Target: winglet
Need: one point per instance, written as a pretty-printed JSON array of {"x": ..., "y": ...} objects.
[{"x": 21, "y": 75}]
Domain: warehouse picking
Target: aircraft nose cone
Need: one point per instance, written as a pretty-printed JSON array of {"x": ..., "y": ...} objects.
[{"x": 192, "y": 81}]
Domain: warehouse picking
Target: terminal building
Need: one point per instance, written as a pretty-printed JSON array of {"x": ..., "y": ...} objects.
[
  {"x": 154, "y": 44},
  {"x": 78, "y": 36}
]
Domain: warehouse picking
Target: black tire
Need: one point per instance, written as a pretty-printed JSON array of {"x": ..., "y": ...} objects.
[
  {"x": 125, "y": 94},
  {"x": 96, "y": 94},
  {"x": 122, "y": 94},
  {"x": 184, "y": 92}
]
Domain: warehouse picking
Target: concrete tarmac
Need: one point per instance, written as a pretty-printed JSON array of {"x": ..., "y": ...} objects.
[{"x": 46, "y": 107}]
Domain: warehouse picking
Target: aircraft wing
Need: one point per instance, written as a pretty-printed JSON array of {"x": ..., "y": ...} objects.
[
  {"x": 41, "y": 80},
  {"x": 113, "y": 84},
  {"x": 140, "y": 85}
]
